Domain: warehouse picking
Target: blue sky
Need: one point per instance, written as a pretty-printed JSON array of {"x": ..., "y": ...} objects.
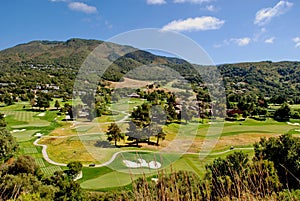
[{"x": 228, "y": 30}]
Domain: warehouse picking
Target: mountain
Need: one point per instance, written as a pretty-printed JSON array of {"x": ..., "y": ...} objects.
[
  {"x": 66, "y": 54},
  {"x": 266, "y": 78},
  {"x": 48, "y": 62}
]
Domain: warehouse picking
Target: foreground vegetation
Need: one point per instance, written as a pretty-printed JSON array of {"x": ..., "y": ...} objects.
[{"x": 36, "y": 80}]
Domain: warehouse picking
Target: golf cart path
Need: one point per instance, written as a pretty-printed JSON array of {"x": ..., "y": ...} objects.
[{"x": 46, "y": 157}]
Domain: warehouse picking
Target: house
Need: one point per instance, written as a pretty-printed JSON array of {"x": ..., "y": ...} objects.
[{"x": 134, "y": 95}]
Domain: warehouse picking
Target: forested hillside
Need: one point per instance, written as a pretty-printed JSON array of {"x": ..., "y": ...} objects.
[
  {"x": 52, "y": 63},
  {"x": 267, "y": 78}
]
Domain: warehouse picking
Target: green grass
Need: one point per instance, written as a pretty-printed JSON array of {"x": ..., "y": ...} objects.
[
  {"x": 83, "y": 128},
  {"x": 50, "y": 170},
  {"x": 30, "y": 150},
  {"x": 109, "y": 180},
  {"x": 24, "y": 135},
  {"x": 40, "y": 162},
  {"x": 127, "y": 104},
  {"x": 93, "y": 172},
  {"x": 117, "y": 174}
]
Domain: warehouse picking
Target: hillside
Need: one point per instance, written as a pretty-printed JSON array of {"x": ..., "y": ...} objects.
[
  {"x": 56, "y": 62},
  {"x": 266, "y": 78},
  {"x": 70, "y": 53}
]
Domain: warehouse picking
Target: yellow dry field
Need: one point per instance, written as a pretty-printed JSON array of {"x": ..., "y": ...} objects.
[{"x": 129, "y": 83}]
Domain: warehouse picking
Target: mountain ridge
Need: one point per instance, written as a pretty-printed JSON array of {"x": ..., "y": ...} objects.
[{"x": 264, "y": 77}]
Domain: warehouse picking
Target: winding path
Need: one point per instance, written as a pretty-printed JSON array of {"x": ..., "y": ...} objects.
[{"x": 46, "y": 157}]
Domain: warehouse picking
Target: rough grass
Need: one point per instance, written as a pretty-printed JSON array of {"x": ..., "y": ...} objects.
[
  {"x": 129, "y": 83},
  {"x": 66, "y": 150},
  {"x": 24, "y": 135}
]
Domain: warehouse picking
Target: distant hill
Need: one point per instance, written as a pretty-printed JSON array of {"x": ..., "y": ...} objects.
[
  {"x": 266, "y": 78},
  {"x": 56, "y": 61},
  {"x": 67, "y": 54}
]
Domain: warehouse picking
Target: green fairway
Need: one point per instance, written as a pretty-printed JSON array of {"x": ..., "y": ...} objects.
[
  {"x": 23, "y": 135},
  {"x": 112, "y": 179},
  {"x": 83, "y": 141}
]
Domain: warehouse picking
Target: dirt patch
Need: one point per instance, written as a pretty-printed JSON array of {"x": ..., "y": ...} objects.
[{"x": 129, "y": 83}]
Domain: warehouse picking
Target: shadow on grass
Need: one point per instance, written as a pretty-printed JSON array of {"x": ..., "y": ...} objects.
[{"x": 106, "y": 144}]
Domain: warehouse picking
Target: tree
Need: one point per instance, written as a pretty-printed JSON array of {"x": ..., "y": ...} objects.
[
  {"x": 171, "y": 113},
  {"x": 8, "y": 145},
  {"x": 158, "y": 132},
  {"x": 141, "y": 115},
  {"x": 24, "y": 164},
  {"x": 140, "y": 119},
  {"x": 236, "y": 174},
  {"x": 2, "y": 120},
  {"x": 135, "y": 133},
  {"x": 57, "y": 105},
  {"x": 114, "y": 133},
  {"x": 8, "y": 100},
  {"x": 186, "y": 114},
  {"x": 158, "y": 115},
  {"x": 67, "y": 189},
  {"x": 43, "y": 101},
  {"x": 283, "y": 112},
  {"x": 284, "y": 152},
  {"x": 74, "y": 168}
]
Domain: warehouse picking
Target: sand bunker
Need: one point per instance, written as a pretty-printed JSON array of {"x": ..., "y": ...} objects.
[
  {"x": 41, "y": 114},
  {"x": 18, "y": 131},
  {"x": 293, "y": 124},
  {"x": 142, "y": 163}
]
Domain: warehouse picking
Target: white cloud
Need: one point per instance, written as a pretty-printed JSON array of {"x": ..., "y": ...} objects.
[
  {"x": 297, "y": 41},
  {"x": 59, "y": 0},
  {"x": 156, "y": 2},
  {"x": 270, "y": 40},
  {"x": 192, "y": 1},
  {"x": 258, "y": 34},
  {"x": 265, "y": 15},
  {"x": 195, "y": 24},
  {"x": 241, "y": 41},
  {"x": 211, "y": 8},
  {"x": 82, "y": 7}
]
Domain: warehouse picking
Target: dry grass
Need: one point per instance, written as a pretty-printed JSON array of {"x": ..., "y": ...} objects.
[
  {"x": 64, "y": 151},
  {"x": 129, "y": 83}
]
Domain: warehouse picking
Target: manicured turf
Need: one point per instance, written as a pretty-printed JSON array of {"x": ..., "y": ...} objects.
[
  {"x": 79, "y": 142},
  {"x": 25, "y": 135},
  {"x": 112, "y": 179},
  {"x": 50, "y": 170},
  {"x": 40, "y": 162}
]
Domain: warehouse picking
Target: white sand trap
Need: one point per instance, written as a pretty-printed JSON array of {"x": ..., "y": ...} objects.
[
  {"x": 41, "y": 114},
  {"x": 154, "y": 165},
  {"x": 18, "y": 131},
  {"x": 297, "y": 130},
  {"x": 38, "y": 135},
  {"x": 142, "y": 163},
  {"x": 293, "y": 124}
]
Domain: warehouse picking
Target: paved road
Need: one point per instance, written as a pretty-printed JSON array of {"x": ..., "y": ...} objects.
[{"x": 46, "y": 157}]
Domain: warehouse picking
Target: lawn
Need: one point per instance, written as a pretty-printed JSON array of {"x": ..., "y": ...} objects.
[
  {"x": 85, "y": 141},
  {"x": 24, "y": 123}
]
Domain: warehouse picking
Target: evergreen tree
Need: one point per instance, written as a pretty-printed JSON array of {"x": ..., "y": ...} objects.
[{"x": 114, "y": 133}]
